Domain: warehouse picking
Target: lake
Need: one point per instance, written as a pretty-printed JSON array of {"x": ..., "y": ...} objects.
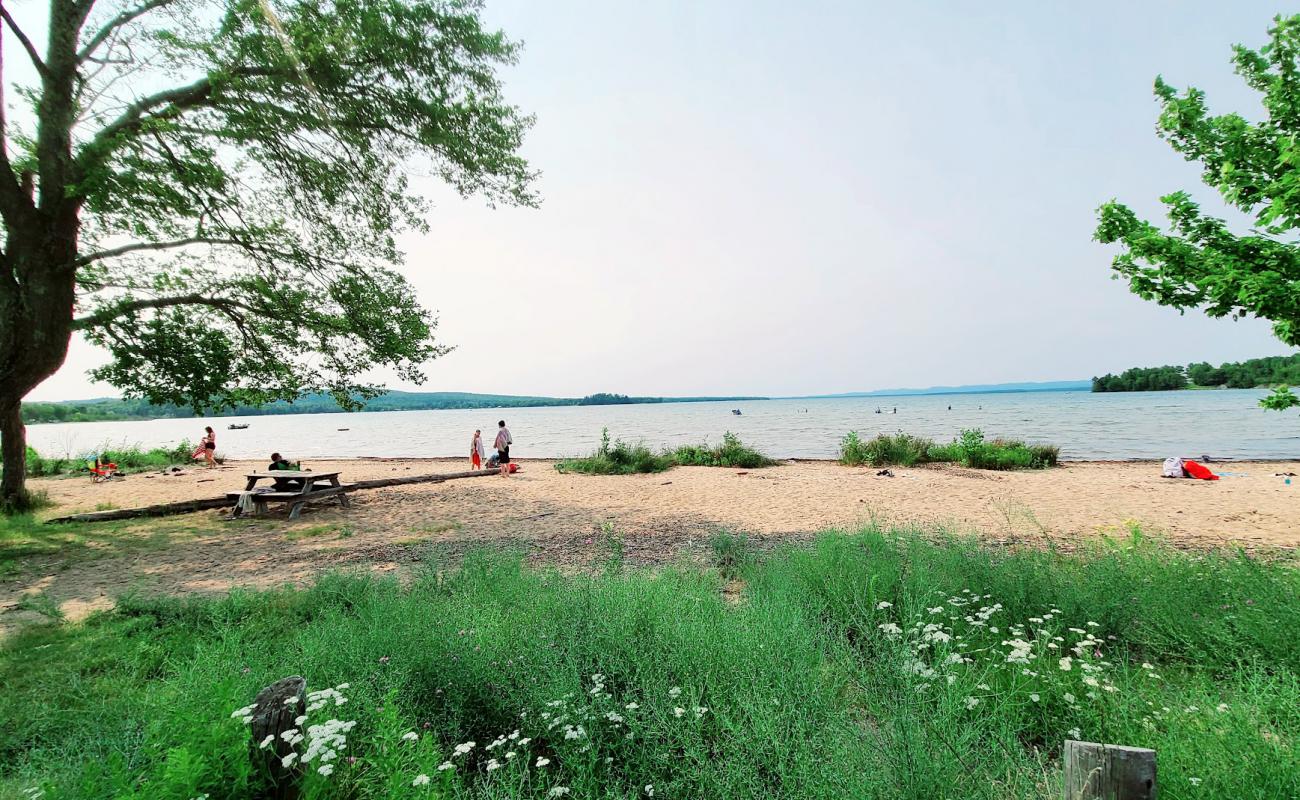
[{"x": 1087, "y": 426}]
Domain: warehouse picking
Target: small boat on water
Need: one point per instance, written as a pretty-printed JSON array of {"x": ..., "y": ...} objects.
[
  {"x": 736, "y": 411},
  {"x": 233, "y": 427},
  {"x": 345, "y": 429}
]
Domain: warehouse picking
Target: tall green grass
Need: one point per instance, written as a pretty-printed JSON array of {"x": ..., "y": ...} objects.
[
  {"x": 867, "y": 666},
  {"x": 731, "y": 453},
  {"x": 970, "y": 449},
  {"x": 621, "y": 458},
  {"x": 129, "y": 458}
]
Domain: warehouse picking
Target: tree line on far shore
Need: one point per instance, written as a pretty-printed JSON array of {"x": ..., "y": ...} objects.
[{"x": 1248, "y": 374}]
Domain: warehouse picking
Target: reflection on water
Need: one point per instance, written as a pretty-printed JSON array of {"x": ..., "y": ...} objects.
[{"x": 1226, "y": 424}]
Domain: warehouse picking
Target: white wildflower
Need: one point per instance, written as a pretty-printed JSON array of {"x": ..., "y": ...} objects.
[
  {"x": 1065, "y": 664},
  {"x": 701, "y": 711},
  {"x": 1069, "y": 698},
  {"x": 493, "y": 764},
  {"x": 462, "y": 749},
  {"x": 1222, "y": 707},
  {"x": 558, "y": 791},
  {"x": 410, "y": 736},
  {"x": 524, "y": 742},
  {"x": 541, "y": 761},
  {"x": 267, "y": 741},
  {"x": 676, "y": 691},
  {"x": 326, "y": 769},
  {"x": 1033, "y": 696},
  {"x": 678, "y": 711},
  {"x": 1075, "y": 733},
  {"x": 288, "y": 760},
  {"x": 649, "y": 790},
  {"x": 243, "y": 712},
  {"x": 422, "y": 779},
  {"x": 883, "y": 604},
  {"x": 1194, "y": 781},
  {"x": 971, "y": 702},
  {"x": 446, "y": 765}
]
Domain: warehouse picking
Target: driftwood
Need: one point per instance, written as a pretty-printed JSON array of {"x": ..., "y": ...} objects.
[
  {"x": 274, "y": 712},
  {"x": 188, "y": 506}
]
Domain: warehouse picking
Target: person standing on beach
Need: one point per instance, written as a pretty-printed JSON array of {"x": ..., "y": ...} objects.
[
  {"x": 477, "y": 453},
  {"x": 208, "y": 444},
  {"x": 502, "y": 444}
]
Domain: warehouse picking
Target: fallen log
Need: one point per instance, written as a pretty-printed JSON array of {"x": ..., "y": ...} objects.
[{"x": 190, "y": 506}]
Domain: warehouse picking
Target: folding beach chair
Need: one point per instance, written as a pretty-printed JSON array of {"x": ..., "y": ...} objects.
[{"x": 101, "y": 471}]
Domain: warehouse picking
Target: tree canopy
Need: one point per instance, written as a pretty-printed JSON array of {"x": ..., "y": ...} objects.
[
  {"x": 212, "y": 189},
  {"x": 1199, "y": 261}
]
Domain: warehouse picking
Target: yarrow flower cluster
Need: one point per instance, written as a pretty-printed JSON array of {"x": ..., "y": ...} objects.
[{"x": 324, "y": 741}]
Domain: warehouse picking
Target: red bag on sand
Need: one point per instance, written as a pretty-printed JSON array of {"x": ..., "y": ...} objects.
[
  {"x": 1199, "y": 471},
  {"x": 513, "y": 468}
]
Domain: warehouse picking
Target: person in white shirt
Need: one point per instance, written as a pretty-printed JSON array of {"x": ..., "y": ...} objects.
[{"x": 502, "y": 444}]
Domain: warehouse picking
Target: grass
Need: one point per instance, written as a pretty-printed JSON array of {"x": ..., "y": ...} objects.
[
  {"x": 731, "y": 453},
  {"x": 877, "y": 665},
  {"x": 970, "y": 449},
  {"x": 621, "y": 458},
  {"x": 130, "y": 458}
]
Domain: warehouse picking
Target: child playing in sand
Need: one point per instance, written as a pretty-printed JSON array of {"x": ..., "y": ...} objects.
[{"x": 476, "y": 451}]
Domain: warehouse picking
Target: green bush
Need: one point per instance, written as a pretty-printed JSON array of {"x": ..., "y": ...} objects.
[
  {"x": 732, "y": 453},
  {"x": 128, "y": 459},
  {"x": 619, "y": 458},
  {"x": 885, "y": 450},
  {"x": 874, "y": 666},
  {"x": 970, "y": 449}
]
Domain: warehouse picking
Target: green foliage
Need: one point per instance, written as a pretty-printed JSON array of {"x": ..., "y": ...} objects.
[
  {"x": 834, "y": 676},
  {"x": 733, "y": 553},
  {"x": 1281, "y": 399},
  {"x": 731, "y": 453},
  {"x": 1200, "y": 262},
  {"x": 1248, "y": 374},
  {"x": 900, "y": 449},
  {"x": 128, "y": 458},
  {"x": 1142, "y": 380},
  {"x": 619, "y": 458},
  {"x": 970, "y": 449}
]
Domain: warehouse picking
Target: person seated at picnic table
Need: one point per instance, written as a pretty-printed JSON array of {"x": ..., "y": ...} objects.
[{"x": 278, "y": 462}]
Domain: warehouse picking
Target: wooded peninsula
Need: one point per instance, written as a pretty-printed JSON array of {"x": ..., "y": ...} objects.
[{"x": 1248, "y": 374}]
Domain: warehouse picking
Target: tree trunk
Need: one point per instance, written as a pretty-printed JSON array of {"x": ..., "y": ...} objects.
[{"x": 13, "y": 448}]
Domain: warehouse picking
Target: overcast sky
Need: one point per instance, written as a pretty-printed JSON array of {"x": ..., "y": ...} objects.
[{"x": 777, "y": 198}]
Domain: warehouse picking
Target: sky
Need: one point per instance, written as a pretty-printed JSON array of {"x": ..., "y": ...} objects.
[{"x": 773, "y": 198}]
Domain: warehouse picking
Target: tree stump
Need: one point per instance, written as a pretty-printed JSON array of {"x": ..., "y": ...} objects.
[
  {"x": 1109, "y": 772},
  {"x": 274, "y": 712}
]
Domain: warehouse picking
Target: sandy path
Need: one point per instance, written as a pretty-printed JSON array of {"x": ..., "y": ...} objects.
[{"x": 557, "y": 518}]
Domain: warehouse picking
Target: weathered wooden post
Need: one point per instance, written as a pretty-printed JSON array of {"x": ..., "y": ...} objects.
[
  {"x": 274, "y": 712},
  {"x": 1109, "y": 772}
]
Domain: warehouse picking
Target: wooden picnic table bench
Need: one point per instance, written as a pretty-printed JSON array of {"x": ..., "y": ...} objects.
[{"x": 311, "y": 489}]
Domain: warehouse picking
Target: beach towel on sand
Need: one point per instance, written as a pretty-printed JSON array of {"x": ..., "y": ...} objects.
[{"x": 1198, "y": 471}]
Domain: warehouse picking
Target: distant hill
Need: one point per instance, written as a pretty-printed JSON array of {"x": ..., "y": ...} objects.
[
  {"x": 980, "y": 388},
  {"x": 112, "y": 408}
]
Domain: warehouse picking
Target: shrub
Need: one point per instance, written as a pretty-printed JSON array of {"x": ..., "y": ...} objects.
[
  {"x": 618, "y": 458},
  {"x": 732, "y": 453},
  {"x": 970, "y": 449},
  {"x": 732, "y": 553},
  {"x": 901, "y": 449}
]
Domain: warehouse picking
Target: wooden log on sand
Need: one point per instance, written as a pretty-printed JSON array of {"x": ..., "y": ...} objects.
[{"x": 190, "y": 506}]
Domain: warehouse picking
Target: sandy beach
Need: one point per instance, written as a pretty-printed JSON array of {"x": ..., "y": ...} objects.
[{"x": 562, "y": 519}]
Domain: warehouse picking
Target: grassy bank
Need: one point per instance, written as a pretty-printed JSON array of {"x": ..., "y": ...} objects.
[
  {"x": 867, "y": 666},
  {"x": 970, "y": 449},
  {"x": 622, "y": 458},
  {"x": 131, "y": 458}
]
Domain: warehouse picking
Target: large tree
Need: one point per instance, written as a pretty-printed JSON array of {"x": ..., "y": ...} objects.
[
  {"x": 1200, "y": 262},
  {"x": 211, "y": 190}
]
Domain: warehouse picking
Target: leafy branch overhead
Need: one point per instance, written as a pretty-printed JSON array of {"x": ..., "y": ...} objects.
[
  {"x": 240, "y": 172},
  {"x": 1199, "y": 261}
]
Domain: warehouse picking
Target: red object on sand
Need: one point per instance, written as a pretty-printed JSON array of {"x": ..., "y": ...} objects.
[
  {"x": 513, "y": 468},
  {"x": 1198, "y": 471}
]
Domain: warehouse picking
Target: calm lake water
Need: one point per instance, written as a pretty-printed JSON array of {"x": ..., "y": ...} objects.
[{"x": 1225, "y": 424}]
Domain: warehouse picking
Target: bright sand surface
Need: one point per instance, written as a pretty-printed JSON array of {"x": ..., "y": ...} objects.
[{"x": 562, "y": 519}]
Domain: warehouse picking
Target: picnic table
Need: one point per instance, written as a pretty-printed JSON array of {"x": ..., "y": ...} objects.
[{"x": 315, "y": 485}]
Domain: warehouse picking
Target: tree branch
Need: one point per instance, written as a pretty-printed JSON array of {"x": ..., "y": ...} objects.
[
  {"x": 26, "y": 43},
  {"x": 117, "y": 22},
  {"x": 105, "y": 315},
  {"x": 139, "y": 246}
]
